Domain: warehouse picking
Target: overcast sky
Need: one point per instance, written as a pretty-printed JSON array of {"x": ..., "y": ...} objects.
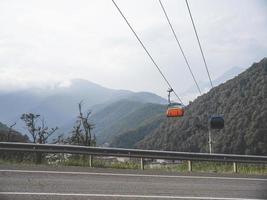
[{"x": 48, "y": 41}]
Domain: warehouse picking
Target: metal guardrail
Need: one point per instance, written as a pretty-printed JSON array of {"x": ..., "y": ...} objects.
[{"x": 134, "y": 153}]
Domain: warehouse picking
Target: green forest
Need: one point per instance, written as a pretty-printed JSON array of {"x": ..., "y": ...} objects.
[{"x": 243, "y": 103}]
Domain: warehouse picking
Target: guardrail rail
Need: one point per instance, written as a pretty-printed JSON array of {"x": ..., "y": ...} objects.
[{"x": 134, "y": 153}]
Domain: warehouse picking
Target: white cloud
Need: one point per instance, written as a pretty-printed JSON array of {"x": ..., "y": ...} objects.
[{"x": 43, "y": 42}]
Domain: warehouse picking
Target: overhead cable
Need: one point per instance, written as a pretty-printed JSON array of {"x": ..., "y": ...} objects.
[
  {"x": 180, "y": 47},
  {"x": 199, "y": 44},
  {"x": 149, "y": 55}
]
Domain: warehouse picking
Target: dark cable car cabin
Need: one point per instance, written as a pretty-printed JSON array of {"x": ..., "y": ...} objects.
[
  {"x": 174, "y": 109},
  {"x": 216, "y": 122}
]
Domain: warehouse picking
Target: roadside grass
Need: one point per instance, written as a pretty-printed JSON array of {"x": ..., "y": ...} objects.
[
  {"x": 17, "y": 158},
  {"x": 215, "y": 167},
  {"x": 100, "y": 162}
]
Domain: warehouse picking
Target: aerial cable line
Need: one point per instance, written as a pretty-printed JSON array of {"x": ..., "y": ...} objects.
[
  {"x": 149, "y": 55},
  {"x": 215, "y": 122},
  {"x": 199, "y": 44},
  {"x": 180, "y": 47}
]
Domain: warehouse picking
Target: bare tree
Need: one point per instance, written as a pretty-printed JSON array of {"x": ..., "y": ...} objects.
[
  {"x": 76, "y": 133},
  {"x": 81, "y": 133},
  {"x": 87, "y": 126},
  {"x": 31, "y": 120},
  {"x": 37, "y": 128},
  {"x": 44, "y": 132},
  {"x": 10, "y": 131}
]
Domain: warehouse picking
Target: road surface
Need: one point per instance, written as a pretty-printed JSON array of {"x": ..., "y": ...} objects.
[{"x": 31, "y": 182}]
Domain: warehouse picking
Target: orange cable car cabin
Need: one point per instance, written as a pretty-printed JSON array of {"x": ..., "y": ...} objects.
[{"x": 174, "y": 109}]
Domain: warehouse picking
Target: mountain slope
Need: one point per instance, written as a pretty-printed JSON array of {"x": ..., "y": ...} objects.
[
  {"x": 7, "y": 135},
  {"x": 130, "y": 138},
  {"x": 242, "y": 101},
  {"x": 3, "y": 127},
  {"x": 122, "y": 116},
  {"x": 59, "y": 105},
  {"x": 14, "y": 103}
]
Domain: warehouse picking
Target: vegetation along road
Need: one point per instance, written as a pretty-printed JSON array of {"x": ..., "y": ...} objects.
[{"x": 83, "y": 183}]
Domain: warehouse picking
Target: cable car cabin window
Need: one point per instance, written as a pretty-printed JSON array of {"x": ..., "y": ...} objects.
[{"x": 216, "y": 122}]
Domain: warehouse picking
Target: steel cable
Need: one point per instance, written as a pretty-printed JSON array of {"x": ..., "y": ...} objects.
[
  {"x": 199, "y": 44},
  {"x": 180, "y": 47},
  {"x": 147, "y": 52}
]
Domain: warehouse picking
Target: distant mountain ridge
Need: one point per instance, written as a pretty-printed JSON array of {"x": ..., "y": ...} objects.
[{"x": 59, "y": 105}]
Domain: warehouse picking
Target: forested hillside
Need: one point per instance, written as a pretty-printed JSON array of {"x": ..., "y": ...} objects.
[
  {"x": 7, "y": 135},
  {"x": 243, "y": 102},
  {"x": 59, "y": 104},
  {"x": 129, "y": 138},
  {"x": 122, "y": 116}
]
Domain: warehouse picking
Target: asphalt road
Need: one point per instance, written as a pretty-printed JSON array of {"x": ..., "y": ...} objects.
[{"x": 85, "y": 183}]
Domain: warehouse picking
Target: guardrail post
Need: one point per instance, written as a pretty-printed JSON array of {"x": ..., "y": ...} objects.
[
  {"x": 235, "y": 167},
  {"x": 142, "y": 163},
  {"x": 90, "y": 161},
  {"x": 189, "y": 165},
  {"x": 38, "y": 159},
  {"x": 63, "y": 157}
]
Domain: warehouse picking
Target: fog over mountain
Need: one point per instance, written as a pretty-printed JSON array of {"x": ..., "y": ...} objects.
[{"x": 59, "y": 105}]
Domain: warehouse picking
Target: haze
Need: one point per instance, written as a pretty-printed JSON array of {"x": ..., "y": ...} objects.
[{"x": 47, "y": 42}]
